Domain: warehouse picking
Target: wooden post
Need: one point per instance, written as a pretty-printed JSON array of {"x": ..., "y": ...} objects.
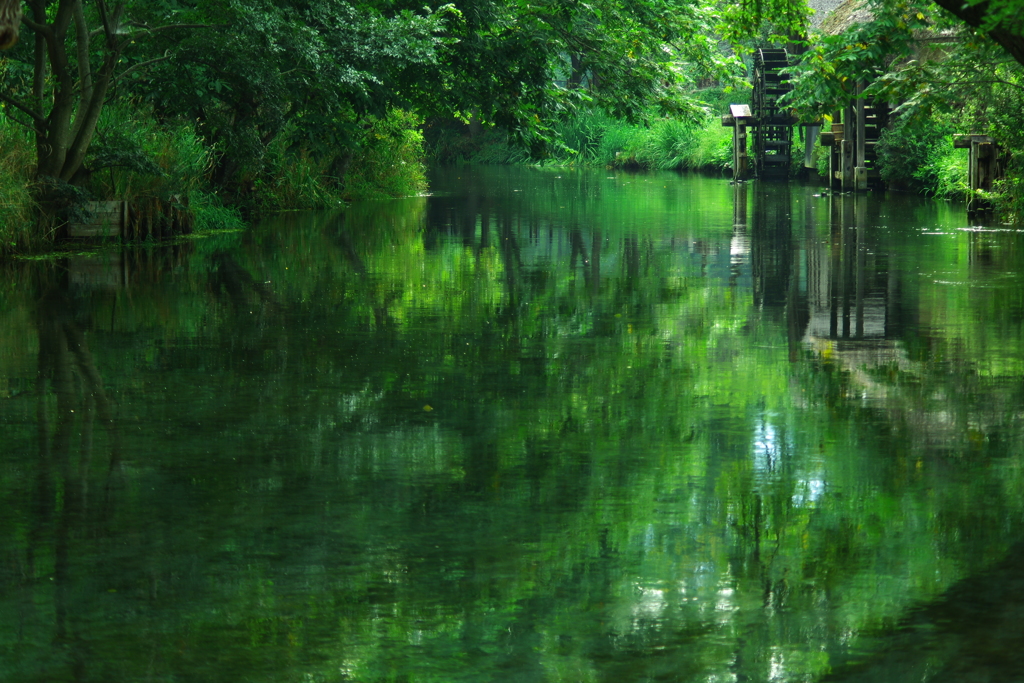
[
  {"x": 810, "y": 136},
  {"x": 738, "y": 119},
  {"x": 833, "y": 139},
  {"x": 860, "y": 171},
  {"x": 982, "y": 168},
  {"x": 846, "y": 178}
]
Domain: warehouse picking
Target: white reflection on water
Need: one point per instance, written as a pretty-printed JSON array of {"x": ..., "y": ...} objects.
[
  {"x": 765, "y": 448},
  {"x": 650, "y": 604},
  {"x": 813, "y": 490}
]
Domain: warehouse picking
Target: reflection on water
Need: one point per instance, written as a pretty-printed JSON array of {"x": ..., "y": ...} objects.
[{"x": 543, "y": 426}]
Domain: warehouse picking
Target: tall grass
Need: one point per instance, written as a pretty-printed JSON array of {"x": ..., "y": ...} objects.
[
  {"x": 134, "y": 156},
  {"x": 665, "y": 144},
  {"x": 17, "y": 208},
  {"x": 292, "y": 178},
  {"x": 919, "y": 154},
  {"x": 671, "y": 144},
  {"x": 1008, "y": 195}
]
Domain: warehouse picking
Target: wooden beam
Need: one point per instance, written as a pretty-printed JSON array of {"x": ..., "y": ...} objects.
[{"x": 106, "y": 220}]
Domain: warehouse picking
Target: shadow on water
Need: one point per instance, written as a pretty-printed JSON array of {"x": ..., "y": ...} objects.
[{"x": 972, "y": 633}]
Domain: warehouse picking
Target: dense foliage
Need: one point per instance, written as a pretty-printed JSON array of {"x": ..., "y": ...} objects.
[
  {"x": 296, "y": 102},
  {"x": 942, "y": 75},
  {"x": 284, "y": 102}
]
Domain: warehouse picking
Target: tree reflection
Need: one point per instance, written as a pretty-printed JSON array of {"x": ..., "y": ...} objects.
[{"x": 685, "y": 433}]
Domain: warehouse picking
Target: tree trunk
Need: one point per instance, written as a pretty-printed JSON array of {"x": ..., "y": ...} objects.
[
  {"x": 52, "y": 139},
  {"x": 576, "y": 77}
]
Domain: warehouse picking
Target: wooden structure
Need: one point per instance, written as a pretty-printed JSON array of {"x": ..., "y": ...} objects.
[
  {"x": 852, "y": 139},
  {"x": 772, "y": 125},
  {"x": 105, "y": 219},
  {"x": 982, "y": 169},
  {"x": 739, "y": 118},
  {"x": 153, "y": 218},
  {"x": 773, "y": 134},
  {"x": 142, "y": 218}
]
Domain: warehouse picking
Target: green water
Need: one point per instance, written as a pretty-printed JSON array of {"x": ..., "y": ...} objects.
[{"x": 543, "y": 425}]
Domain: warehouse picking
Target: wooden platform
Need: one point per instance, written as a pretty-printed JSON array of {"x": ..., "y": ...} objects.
[{"x": 107, "y": 219}]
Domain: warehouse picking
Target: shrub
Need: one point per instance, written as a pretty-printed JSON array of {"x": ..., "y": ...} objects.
[
  {"x": 134, "y": 155},
  {"x": 389, "y": 162},
  {"x": 293, "y": 178},
  {"x": 672, "y": 144},
  {"x": 593, "y": 138},
  {"x": 918, "y": 153}
]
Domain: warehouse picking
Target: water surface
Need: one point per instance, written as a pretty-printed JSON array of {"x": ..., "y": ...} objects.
[{"x": 543, "y": 425}]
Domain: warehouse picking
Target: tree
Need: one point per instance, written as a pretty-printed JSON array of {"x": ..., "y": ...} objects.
[
  {"x": 243, "y": 69},
  {"x": 305, "y": 74},
  {"x": 520, "y": 65},
  {"x": 58, "y": 86}
]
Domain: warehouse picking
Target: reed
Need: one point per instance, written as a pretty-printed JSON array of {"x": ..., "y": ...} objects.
[{"x": 17, "y": 207}]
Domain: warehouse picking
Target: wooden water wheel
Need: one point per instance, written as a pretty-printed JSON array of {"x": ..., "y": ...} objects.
[{"x": 773, "y": 136}]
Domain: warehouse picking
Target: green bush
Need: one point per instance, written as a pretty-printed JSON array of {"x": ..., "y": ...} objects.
[
  {"x": 134, "y": 155},
  {"x": 211, "y": 214},
  {"x": 918, "y": 153},
  {"x": 1008, "y": 195},
  {"x": 292, "y": 178},
  {"x": 389, "y": 162},
  {"x": 593, "y": 138},
  {"x": 672, "y": 144}
]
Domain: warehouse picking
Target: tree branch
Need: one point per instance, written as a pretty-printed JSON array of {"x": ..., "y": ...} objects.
[
  {"x": 977, "y": 15},
  {"x": 34, "y": 115},
  {"x": 140, "y": 65},
  {"x": 82, "y": 41},
  {"x": 41, "y": 29},
  {"x": 170, "y": 27}
]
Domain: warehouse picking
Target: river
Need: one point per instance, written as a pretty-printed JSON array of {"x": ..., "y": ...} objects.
[{"x": 543, "y": 425}]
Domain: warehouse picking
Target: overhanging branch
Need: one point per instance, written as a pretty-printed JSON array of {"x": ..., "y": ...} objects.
[
  {"x": 34, "y": 115},
  {"x": 144, "y": 64},
  {"x": 147, "y": 30}
]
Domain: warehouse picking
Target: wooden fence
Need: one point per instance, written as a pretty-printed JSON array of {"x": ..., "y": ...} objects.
[{"x": 142, "y": 218}]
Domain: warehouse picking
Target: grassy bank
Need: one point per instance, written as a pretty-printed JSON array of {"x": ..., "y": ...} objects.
[
  {"x": 595, "y": 139},
  {"x": 915, "y": 155},
  {"x": 136, "y": 156},
  {"x": 17, "y": 207}
]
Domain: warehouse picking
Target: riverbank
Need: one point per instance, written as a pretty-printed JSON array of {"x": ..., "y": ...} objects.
[
  {"x": 139, "y": 157},
  {"x": 914, "y": 155}
]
